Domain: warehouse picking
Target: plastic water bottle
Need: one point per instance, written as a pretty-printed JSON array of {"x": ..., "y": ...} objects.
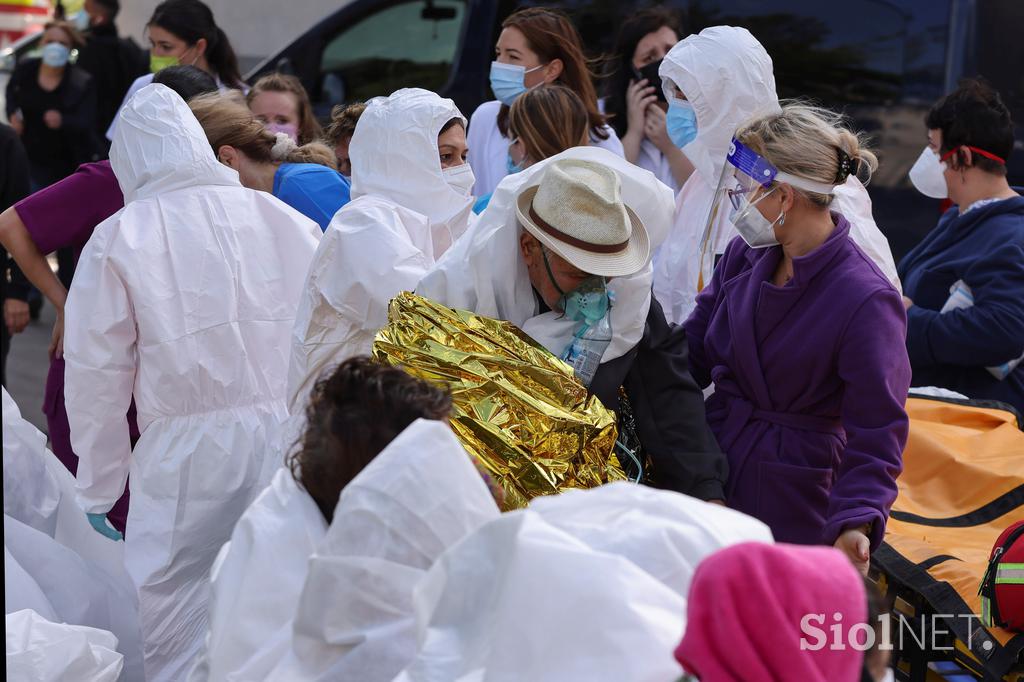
[{"x": 587, "y": 349}]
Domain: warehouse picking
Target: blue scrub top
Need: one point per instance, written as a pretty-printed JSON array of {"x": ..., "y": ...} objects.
[
  {"x": 313, "y": 190},
  {"x": 482, "y": 203}
]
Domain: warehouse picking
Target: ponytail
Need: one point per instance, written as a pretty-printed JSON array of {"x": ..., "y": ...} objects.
[
  {"x": 222, "y": 59},
  {"x": 285, "y": 150},
  {"x": 226, "y": 120},
  {"x": 192, "y": 21}
]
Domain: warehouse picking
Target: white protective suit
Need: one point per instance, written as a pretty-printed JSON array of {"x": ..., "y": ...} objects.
[
  {"x": 586, "y": 585},
  {"x": 256, "y": 582},
  {"x": 727, "y": 76},
  {"x": 485, "y": 273},
  {"x": 55, "y": 564},
  {"x": 419, "y": 496},
  {"x": 186, "y": 299},
  {"x": 402, "y": 217},
  {"x": 39, "y": 650}
]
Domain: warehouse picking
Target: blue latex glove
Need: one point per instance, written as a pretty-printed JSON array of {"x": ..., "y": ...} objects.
[{"x": 101, "y": 526}]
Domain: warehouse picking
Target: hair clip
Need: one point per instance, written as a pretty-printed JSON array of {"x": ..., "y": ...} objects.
[{"x": 847, "y": 166}]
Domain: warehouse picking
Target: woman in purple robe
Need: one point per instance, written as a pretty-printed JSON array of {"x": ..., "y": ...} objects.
[{"x": 804, "y": 340}]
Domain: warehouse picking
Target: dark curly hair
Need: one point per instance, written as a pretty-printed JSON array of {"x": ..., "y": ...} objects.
[
  {"x": 353, "y": 414},
  {"x": 974, "y": 115}
]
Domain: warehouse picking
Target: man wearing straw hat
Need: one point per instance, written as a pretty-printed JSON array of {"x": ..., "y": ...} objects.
[{"x": 563, "y": 252}]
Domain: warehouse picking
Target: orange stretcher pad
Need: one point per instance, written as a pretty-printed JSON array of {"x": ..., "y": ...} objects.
[{"x": 962, "y": 485}]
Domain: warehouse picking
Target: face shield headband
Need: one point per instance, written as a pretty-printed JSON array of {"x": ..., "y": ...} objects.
[{"x": 745, "y": 172}]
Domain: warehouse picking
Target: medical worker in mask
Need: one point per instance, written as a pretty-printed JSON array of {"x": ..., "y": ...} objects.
[
  {"x": 543, "y": 122},
  {"x": 715, "y": 81},
  {"x": 803, "y": 337},
  {"x": 183, "y": 32},
  {"x": 186, "y": 299},
  {"x": 410, "y": 201},
  {"x": 536, "y": 46},
  {"x": 302, "y": 177},
  {"x": 562, "y": 252},
  {"x": 965, "y": 280}
]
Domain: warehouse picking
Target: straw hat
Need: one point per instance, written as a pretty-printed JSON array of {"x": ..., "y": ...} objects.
[{"x": 577, "y": 212}]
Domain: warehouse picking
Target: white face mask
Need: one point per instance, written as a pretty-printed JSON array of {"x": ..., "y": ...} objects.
[
  {"x": 753, "y": 227},
  {"x": 927, "y": 175},
  {"x": 460, "y": 178}
]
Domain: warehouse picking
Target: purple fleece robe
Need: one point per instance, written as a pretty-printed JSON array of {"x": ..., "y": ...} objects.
[{"x": 811, "y": 382}]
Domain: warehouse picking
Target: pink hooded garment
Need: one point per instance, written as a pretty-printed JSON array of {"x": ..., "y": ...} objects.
[{"x": 745, "y": 610}]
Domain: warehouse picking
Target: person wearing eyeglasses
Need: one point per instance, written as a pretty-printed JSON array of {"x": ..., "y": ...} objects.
[{"x": 802, "y": 336}]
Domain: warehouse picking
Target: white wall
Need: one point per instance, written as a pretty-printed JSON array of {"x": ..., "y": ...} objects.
[{"x": 256, "y": 28}]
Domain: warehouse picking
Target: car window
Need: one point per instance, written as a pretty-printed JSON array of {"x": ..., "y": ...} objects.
[{"x": 402, "y": 45}]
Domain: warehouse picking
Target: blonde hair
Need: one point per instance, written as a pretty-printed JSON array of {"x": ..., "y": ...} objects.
[
  {"x": 226, "y": 120},
  {"x": 810, "y": 142},
  {"x": 548, "y": 120},
  {"x": 309, "y": 127}
]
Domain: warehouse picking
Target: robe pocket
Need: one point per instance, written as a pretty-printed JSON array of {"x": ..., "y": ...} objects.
[{"x": 793, "y": 500}]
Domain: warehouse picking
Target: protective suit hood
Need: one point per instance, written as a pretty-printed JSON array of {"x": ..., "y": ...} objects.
[
  {"x": 159, "y": 146},
  {"x": 395, "y": 156},
  {"x": 622, "y": 550},
  {"x": 418, "y": 497},
  {"x": 484, "y": 271},
  {"x": 726, "y": 74}
]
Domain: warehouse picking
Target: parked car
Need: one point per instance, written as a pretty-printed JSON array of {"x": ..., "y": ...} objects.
[{"x": 882, "y": 62}]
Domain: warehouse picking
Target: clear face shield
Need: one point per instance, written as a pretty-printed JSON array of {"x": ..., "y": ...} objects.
[{"x": 746, "y": 180}]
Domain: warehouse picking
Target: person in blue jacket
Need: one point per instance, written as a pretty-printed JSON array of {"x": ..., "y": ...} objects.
[
  {"x": 302, "y": 177},
  {"x": 964, "y": 283}
]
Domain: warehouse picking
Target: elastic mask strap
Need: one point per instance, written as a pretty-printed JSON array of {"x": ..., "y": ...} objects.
[{"x": 551, "y": 275}]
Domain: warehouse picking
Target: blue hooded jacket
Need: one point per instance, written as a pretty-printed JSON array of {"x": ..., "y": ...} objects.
[{"x": 985, "y": 249}]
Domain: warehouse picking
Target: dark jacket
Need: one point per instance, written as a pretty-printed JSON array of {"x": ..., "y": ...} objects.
[
  {"x": 54, "y": 154},
  {"x": 14, "y": 186},
  {"x": 669, "y": 410},
  {"x": 114, "y": 63},
  {"x": 985, "y": 249}
]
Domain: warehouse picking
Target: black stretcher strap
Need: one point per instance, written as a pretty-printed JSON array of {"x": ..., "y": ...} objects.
[
  {"x": 940, "y": 595},
  {"x": 987, "y": 513}
]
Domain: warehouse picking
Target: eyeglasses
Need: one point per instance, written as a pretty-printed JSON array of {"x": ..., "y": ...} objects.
[{"x": 736, "y": 195}]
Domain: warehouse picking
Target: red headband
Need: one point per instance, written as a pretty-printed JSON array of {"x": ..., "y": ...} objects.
[{"x": 987, "y": 155}]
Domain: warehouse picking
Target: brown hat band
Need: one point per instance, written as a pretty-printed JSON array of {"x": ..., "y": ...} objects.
[{"x": 573, "y": 241}]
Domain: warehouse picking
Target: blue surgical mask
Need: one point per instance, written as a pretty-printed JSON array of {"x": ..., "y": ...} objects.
[
  {"x": 55, "y": 55},
  {"x": 508, "y": 81},
  {"x": 511, "y": 167},
  {"x": 81, "y": 20},
  {"x": 681, "y": 122}
]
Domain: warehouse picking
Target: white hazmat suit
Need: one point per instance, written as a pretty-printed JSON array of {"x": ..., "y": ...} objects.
[
  {"x": 354, "y": 621},
  {"x": 402, "y": 217},
  {"x": 56, "y": 566},
  {"x": 186, "y": 299},
  {"x": 256, "y": 582},
  {"x": 586, "y": 585},
  {"x": 39, "y": 650},
  {"x": 485, "y": 272},
  {"x": 727, "y": 76}
]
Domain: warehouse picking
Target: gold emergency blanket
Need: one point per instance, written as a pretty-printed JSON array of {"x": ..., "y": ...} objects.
[{"x": 516, "y": 407}]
